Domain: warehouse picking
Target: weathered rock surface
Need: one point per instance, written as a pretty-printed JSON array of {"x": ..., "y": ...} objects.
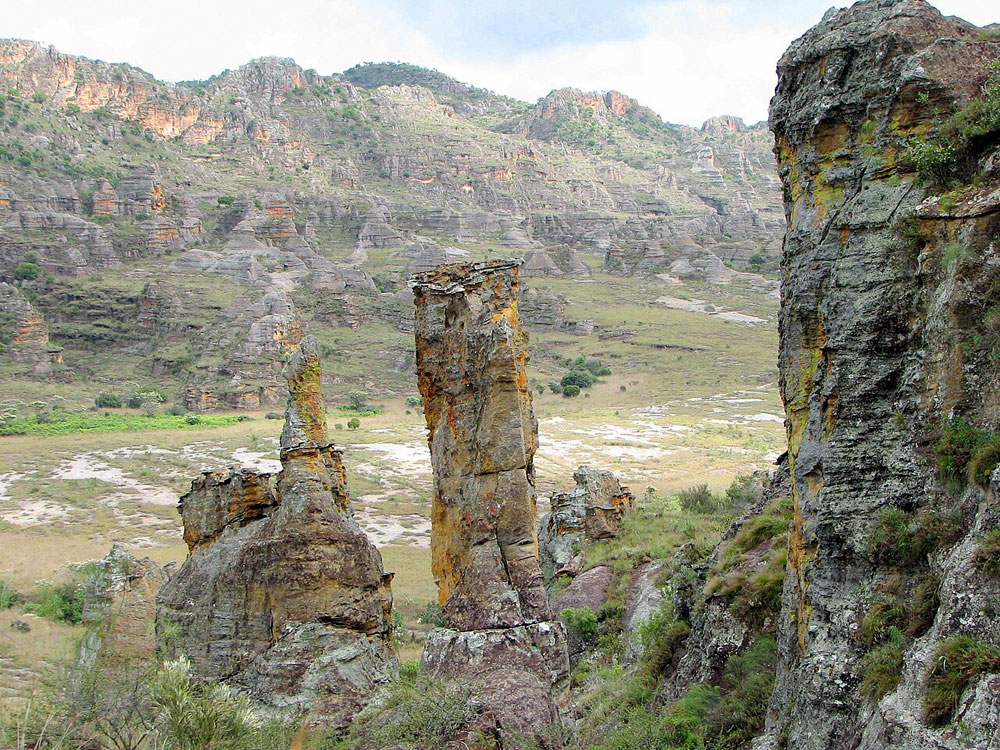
[
  {"x": 120, "y": 606},
  {"x": 878, "y": 347},
  {"x": 28, "y": 333},
  {"x": 282, "y": 594},
  {"x": 592, "y": 511},
  {"x": 471, "y": 365}
]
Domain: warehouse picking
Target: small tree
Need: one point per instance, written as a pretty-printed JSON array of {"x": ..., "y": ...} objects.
[
  {"x": 357, "y": 399},
  {"x": 26, "y": 271}
]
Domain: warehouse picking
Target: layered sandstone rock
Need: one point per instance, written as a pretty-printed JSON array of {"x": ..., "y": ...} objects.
[
  {"x": 882, "y": 339},
  {"x": 282, "y": 593},
  {"x": 29, "y": 340},
  {"x": 471, "y": 363},
  {"x": 592, "y": 511}
]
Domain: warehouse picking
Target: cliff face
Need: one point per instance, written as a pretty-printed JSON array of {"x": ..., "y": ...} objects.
[
  {"x": 886, "y": 293},
  {"x": 282, "y": 594}
]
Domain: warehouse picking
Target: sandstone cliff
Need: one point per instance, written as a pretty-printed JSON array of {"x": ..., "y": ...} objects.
[
  {"x": 282, "y": 594},
  {"x": 889, "y": 378}
]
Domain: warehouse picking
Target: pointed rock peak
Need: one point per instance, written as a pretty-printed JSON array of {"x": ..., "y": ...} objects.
[{"x": 305, "y": 417}]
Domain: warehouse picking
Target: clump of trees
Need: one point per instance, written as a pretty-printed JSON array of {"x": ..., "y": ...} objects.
[{"x": 581, "y": 373}]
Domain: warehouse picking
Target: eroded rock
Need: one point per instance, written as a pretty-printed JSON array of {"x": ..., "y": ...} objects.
[
  {"x": 282, "y": 593},
  {"x": 471, "y": 362},
  {"x": 592, "y": 511}
]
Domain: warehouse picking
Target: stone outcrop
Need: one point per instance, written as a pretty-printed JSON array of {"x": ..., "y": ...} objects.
[
  {"x": 500, "y": 632},
  {"x": 29, "y": 335},
  {"x": 282, "y": 594},
  {"x": 592, "y": 511},
  {"x": 882, "y": 339},
  {"x": 119, "y": 605}
]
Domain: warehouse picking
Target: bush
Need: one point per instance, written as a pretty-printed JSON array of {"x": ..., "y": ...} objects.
[
  {"x": 661, "y": 635},
  {"x": 432, "y": 614},
  {"x": 697, "y": 499},
  {"x": 582, "y": 621},
  {"x": 192, "y": 419},
  {"x": 26, "y": 271},
  {"x": 967, "y": 453},
  {"x": 579, "y": 378},
  {"x": 107, "y": 400},
  {"x": 61, "y": 603},
  {"x": 958, "y": 661},
  {"x": 353, "y": 423},
  {"x": 414, "y": 401},
  {"x": 196, "y": 716},
  {"x": 357, "y": 399},
  {"x": 882, "y": 667},
  {"x": 570, "y": 391},
  {"x": 177, "y": 410},
  {"x": 226, "y": 200},
  {"x": 8, "y": 596},
  {"x": 987, "y": 556},
  {"x": 739, "y": 716}
]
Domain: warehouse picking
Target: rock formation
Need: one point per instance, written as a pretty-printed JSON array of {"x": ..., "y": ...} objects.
[
  {"x": 120, "y": 604},
  {"x": 29, "y": 336},
  {"x": 593, "y": 510},
  {"x": 500, "y": 632},
  {"x": 884, "y": 339},
  {"x": 282, "y": 594}
]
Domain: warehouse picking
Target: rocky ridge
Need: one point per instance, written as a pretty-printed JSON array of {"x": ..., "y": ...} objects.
[{"x": 332, "y": 189}]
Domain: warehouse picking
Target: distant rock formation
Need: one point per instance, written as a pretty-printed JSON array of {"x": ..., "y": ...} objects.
[
  {"x": 29, "y": 337},
  {"x": 500, "y": 633},
  {"x": 282, "y": 594},
  {"x": 592, "y": 511}
]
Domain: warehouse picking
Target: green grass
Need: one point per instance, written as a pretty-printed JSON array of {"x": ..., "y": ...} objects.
[
  {"x": 957, "y": 662},
  {"x": 70, "y": 423},
  {"x": 987, "y": 556},
  {"x": 882, "y": 667}
]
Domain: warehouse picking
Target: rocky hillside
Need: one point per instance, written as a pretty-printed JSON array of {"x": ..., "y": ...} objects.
[{"x": 190, "y": 228}]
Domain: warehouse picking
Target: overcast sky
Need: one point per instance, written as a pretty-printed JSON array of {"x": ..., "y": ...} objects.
[{"x": 687, "y": 59}]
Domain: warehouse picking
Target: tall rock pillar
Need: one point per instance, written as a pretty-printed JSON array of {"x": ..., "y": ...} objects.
[{"x": 471, "y": 362}]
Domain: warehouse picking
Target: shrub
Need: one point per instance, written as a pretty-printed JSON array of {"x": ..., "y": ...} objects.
[
  {"x": 177, "y": 410},
  {"x": 432, "y": 614},
  {"x": 570, "y": 391},
  {"x": 984, "y": 461},
  {"x": 958, "y": 661},
  {"x": 196, "y": 716},
  {"x": 357, "y": 399},
  {"x": 987, "y": 557},
  {"x": 739, "y": 716},
  {"x": 901, "y": 539},
  {"x": 966, "y": 452},
  {"x": 661, "y": 635},
  {"x": 416, "y": 401},
  {"x": 8, "y": 596},
  {"x": 697, "y": 499},
  {"x": 353, "y": 423},
  {"x": 59, "y": 602},
  {"x": 192, "y": 419},
  {"x": 107, "y": 400},
  {"x": 26, "y": 271},
  {"x": 582, "y": 621},
  {"x": 882, "y": 667},
  {"x": 226, "y": 200},
  {"x": 579, "y": 378}
]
